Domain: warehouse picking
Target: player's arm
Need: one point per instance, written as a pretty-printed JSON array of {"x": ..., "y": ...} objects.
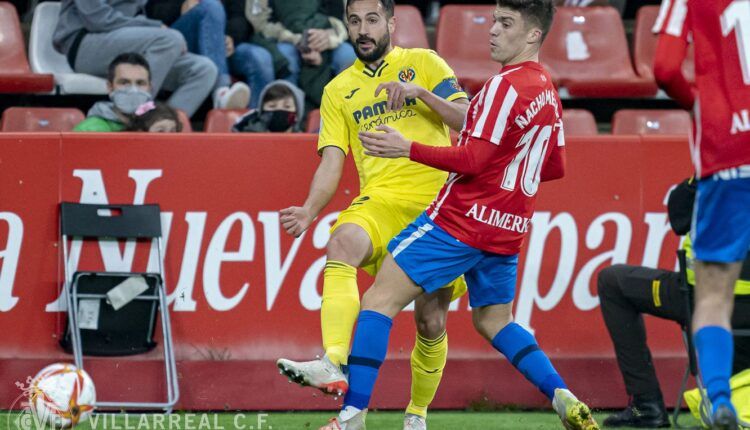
[
  {"x": 332, "y": 147},
  {"x": 669, "y": 56},
  {"x": 469, "y": 159},
  {"x": 672, "y": 26},
  {"x": 297, "y": 219},
  {"x": 554, "y": 167},
  {"x": 451, "y": 112}
]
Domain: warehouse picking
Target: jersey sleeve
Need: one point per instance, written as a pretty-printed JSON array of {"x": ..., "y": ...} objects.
[
  {"x": 496, "y": 102},
  {"x": 441, "y": 79},
  {"x": 469, "y": 159},
  {"x": 333, "y": 129},
  {"x": 554, "y": 166},
  {"x": 673, "y": 19}
]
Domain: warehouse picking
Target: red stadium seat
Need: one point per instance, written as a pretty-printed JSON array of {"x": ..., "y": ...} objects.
[
  {"x": 313, "y": 121},
  {"x": 222, "y": 120},
  {"x": 463, "y": 40},
  {"x": 410, "y": 31},
  {"x": 15, "y": 74},
  {"x": 644, "y": 45},
  {"x": 20, "y": 119},
  {"x": 586, "y": 52},
  {"x": 579, "y": 122},
  {"x": 646, "y": 121},
  {"x": 185, "y": 120}
]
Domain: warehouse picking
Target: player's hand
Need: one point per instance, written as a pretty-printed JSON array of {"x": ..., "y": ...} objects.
[
  {"x": 295, "y": 220},
  {"x": 398, "y": 92},
  {"x": 389, "y": 143}
]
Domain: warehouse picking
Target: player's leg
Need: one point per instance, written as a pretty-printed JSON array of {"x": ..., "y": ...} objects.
[
  {"x": 422, "y": 254},
  {"x": 491, "y": 290},
  {"x": 721, "y": 232},
  {"x": 392, "y": 291},
  {"x": 349, "y": 246},
  {"x": 429, "y": 354}
]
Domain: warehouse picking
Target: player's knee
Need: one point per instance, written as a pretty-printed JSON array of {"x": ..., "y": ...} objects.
[
  {"x": 606, "y": 281},
  {"x": 341, "y": 247},
  {"x": 432, "y": 325}
]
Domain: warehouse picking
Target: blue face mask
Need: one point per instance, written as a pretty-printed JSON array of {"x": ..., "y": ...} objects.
[{"x": 127, "y": 99}]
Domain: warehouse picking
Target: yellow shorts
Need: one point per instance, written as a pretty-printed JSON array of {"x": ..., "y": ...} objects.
[{"x": 383, "y": 217}]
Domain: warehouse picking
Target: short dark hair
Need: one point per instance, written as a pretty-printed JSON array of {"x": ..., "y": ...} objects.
[
  {"x": 127, "y": 58},
  {"x": 388, "y": 5},
  {"x": 538, "y": 12},
  {"x": 276, "y": 92}
]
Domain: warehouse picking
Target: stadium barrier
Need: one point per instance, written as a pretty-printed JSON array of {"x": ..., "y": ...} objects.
[{"x": 244, "y": 293}]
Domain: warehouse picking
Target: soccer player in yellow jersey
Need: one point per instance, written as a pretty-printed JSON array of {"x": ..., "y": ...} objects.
[{"x": 415, "y": 92}]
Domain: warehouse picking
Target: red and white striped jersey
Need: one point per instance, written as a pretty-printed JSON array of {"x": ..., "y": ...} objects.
[
  {"x": 720, "y": 31},
  {"x": 515, "y": 124}
]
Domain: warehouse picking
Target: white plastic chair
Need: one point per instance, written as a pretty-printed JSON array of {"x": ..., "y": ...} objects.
[{"x": 43, "y": 57}]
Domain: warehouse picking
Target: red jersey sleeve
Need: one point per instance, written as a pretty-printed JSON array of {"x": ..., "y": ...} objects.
[
  {"x": 671, "y": 49},
  {"x": 554, "y": 167},
  {"x": 469, "y": 159}
]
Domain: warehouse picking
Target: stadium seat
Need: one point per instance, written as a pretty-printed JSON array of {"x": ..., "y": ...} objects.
[
  {"x": 313, "y": 121},
  {"x": 185, "y": 120},
  {"x": 22, "y": 119},
  {"x": 15, "y": 74},
  {"x": 410, "y": 31},
  {"x": 646, "y": 121},
  {"x": 45, "y": 59},
  {"x": 222, "y": 120},
  {"x": 587, "y": 53},
  {"x": 579, "y": 122},
  {"x": 644, "y": 45},
  {"x": 463, "y": 41}
]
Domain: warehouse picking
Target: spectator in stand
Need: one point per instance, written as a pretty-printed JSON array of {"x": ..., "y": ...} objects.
[
  {"x": 129, "y": 83},
  {"x": 155, "y": 118},
  {"x": 311, "y": 36},
  {"x": 282, "y": 110},
  {"x": 91, "y": 33},
  {"x": 203, "y": 24}
]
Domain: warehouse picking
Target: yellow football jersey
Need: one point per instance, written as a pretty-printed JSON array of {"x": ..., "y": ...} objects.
[{"x": 350, "y": 106}]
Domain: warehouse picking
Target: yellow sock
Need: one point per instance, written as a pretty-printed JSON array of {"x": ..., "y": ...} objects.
[
  {"x": 339, "y": 310},
  {"x": 427, "y": 363}
]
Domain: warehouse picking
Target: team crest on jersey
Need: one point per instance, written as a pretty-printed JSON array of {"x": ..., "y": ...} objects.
[{"x": 407, "y": 74}]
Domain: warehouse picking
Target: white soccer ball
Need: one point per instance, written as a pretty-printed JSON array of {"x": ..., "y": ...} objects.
[{"x": 62, "y": 396}]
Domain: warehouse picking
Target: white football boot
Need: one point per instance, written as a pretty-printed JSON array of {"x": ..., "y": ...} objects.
[
  {"x": 320, "y": 373},
  {"x": 414, "y": 422},
  {"x": 573, "y": 413},
  {"x": 355, "y": 422}
]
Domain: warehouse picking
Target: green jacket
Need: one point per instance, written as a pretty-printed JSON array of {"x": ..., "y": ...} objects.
[{"x": 95, "y": 123}]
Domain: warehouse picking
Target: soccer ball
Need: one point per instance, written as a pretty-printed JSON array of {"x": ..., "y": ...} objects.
[{"x": 62, "y": 396}]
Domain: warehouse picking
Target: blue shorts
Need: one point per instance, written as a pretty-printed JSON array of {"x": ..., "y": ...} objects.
[
  {"x": 721, "y": 219},
  {"x": 433, "y": 258}
]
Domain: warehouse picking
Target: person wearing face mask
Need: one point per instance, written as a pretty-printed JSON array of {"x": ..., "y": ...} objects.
[
  {"x": 129, "y": 84},
  {"x": 282, "y": 109}
]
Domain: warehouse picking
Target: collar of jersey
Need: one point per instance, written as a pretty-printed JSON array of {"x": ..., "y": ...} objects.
[
  {"x": 532, "y": 64},
  {"x": 361, "y": 67}
]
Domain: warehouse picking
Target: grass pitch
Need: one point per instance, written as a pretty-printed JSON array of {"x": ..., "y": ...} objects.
[{"x": 438, "y": 420}]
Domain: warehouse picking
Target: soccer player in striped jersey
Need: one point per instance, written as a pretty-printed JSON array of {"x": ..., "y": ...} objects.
[
  {"x": 511, "y": 141},
  {"x": 720, "y": 147},
  {"x": 416, "y": 92}
]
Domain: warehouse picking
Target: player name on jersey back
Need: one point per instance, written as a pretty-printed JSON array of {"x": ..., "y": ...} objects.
[{"x": 518, "y": 112}]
